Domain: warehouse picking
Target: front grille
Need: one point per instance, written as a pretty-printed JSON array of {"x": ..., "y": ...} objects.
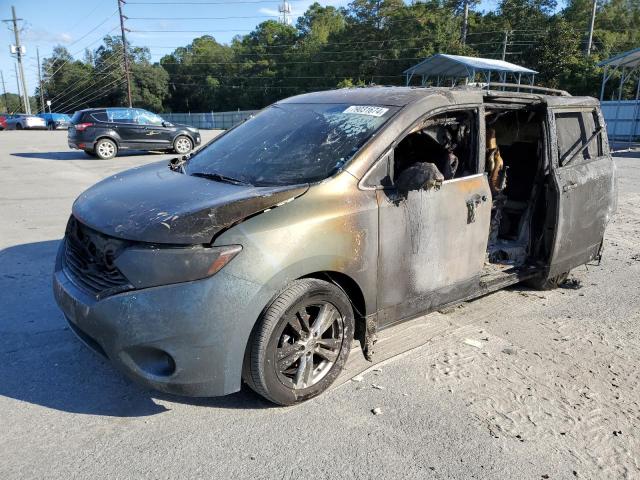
[{"x": 88, "y": 260}]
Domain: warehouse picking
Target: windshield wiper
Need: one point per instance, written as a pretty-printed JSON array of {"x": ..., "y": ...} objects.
[{"x": 218, "y": 177}]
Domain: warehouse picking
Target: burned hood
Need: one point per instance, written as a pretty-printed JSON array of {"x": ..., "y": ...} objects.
[{"x": 157, "y": 205}]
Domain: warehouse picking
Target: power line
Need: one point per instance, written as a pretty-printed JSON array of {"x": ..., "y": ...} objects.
[
  {"x": 84, "y": 100},
  {"x": 94, "y": 84},
  {"x": 103, "y": 67},
  {"x": 72, "y": 55},
  {"x": 92, "y": 30},
  {"x": 305, "y": 62}
]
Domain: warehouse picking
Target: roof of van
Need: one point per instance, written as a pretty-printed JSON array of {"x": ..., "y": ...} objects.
[{"x": 402, "y": 96}]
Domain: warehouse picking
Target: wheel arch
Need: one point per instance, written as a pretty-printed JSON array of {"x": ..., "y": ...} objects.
[
  {"x": 184, "y": 134},
  {"x": 351, "y": 289},
  {"x": 108, "y": 137}
]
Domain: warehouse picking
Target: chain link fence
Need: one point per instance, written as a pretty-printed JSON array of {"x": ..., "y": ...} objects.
[{"x": 211, "y": 120}]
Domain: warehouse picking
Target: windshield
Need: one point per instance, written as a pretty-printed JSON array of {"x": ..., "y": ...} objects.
[{"x": 291, "y": 143}]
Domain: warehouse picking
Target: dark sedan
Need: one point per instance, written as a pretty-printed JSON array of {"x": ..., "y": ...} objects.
[{"x": 103, "y": 132}]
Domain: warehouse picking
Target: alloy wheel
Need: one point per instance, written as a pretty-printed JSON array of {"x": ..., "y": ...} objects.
[
  {"x": 309, "y": 343},
  {"x": 183, "y": 145},
  {"x": 106, "y": 149}
]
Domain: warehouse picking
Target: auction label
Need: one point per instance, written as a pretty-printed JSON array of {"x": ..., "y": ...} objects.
[{"x": 367, "y": 110}]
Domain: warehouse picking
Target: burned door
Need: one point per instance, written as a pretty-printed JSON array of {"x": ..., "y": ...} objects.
[
  {"x": 584, "y": 177},
  {"x": 433, "y": 240}
]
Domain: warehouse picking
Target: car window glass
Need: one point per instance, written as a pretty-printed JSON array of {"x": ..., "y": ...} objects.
[
  {"x": 573, "y": 130},
  {"x": 287, "y": 144},
  {"x": 100, "y": 116},
  {"x": 148, "y": 118},
  {"x": 121, "y": 115}
]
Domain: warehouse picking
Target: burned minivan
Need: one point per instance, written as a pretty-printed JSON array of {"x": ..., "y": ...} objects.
[{"x": 326, "y": 218}]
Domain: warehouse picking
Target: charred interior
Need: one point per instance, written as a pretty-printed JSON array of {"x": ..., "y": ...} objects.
[
  {"x": 515, "y": 165},
  {"x": 445, "y": 148},
  {"x": 441, "y": 149}
]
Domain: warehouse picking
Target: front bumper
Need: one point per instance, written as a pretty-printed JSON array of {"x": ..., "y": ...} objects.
[{"x": 184, "y": 339}]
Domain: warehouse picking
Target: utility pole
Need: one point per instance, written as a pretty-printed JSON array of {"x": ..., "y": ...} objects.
[
  {"x": 465, "y": 22},
  {"x": 15, "y": 69},
  {"x": 125, "y": 52},
  {"x": 4, "y": 93},
  {"x": 593, "y": 21},
  {"x": 19, "y": 53},
  {"x": 505, "y": 41},
  {"x": 44, "y": 109}
]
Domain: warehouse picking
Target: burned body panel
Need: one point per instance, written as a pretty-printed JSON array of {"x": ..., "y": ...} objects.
[
  {"x": 154, "y": 204},
  {"x": 429, "y": 242},
  {"x": 329, "y": 229}
]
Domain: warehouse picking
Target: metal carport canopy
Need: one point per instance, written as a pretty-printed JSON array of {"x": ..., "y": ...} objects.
[
  {"x": 630, "y": 59},
  {"x": 442, "y": 64}
]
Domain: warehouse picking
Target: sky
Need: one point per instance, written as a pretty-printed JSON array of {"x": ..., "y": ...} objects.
[{"x": 80, "y": 24}]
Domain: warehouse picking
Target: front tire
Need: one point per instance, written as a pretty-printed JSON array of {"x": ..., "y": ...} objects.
[
  {"x": 106, "y": 149},
  {"x": 301, "y": 342},
  {"x": 182, "y": 145}
]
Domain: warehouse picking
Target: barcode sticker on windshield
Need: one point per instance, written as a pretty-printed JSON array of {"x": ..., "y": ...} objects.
[{"x": 367, "y": 110}]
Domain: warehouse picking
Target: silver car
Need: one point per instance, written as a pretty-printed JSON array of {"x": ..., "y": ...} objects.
[{"x": 22, "y": 121}]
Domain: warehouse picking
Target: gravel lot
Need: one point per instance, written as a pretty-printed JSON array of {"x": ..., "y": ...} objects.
[{"x": 553, "y": 392}]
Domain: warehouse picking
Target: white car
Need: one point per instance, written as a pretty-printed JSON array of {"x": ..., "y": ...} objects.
[{"x": 20, "y": 121}]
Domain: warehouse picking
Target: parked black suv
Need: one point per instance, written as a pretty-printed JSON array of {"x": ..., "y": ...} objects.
[{"x": 102, "y": 132}]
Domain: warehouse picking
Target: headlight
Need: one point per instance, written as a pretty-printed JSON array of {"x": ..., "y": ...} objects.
[{"x": 153, "y": 266}]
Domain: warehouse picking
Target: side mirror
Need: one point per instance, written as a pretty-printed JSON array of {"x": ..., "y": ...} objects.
[
  {"x": 419, "y": 176},
  {"x": 167, "y": 124}
]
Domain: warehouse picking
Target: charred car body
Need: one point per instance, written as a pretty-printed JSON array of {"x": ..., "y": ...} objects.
[{"x": 327, "y": 216}]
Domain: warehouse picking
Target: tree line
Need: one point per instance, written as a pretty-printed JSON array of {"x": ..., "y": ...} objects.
[{"x": 368, "y": 42}]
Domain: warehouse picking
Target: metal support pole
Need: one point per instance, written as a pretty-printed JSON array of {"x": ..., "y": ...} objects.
[
  {"x": 125, "y": 52},
  {"x": 604, "y": 81}
]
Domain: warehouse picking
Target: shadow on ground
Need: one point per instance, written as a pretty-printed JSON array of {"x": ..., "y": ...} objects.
[
  {"x": 77, "y": 155},
  {"x": 43, "y": 363}
]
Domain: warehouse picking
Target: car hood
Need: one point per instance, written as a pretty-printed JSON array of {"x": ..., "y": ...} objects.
[{"x": 157, "y": 205}]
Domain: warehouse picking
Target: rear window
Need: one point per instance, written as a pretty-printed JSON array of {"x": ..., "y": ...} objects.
[
  {"x": 77, "y": 116},
  {"x": 574, "y": 129},
  {"x": 289, "y": 143}
]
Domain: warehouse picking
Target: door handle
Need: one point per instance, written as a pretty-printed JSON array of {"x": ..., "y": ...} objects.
[{"x": 569, "y": 186}]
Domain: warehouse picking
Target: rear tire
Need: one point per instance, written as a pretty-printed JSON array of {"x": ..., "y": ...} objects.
[
  {"x": 301, "y": 342},
  {"x": 106, "y": 149},
  {"x": 547, "y": 283}
]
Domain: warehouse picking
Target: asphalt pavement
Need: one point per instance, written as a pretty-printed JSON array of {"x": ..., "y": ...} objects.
[{"x": 515, "y": 385}]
